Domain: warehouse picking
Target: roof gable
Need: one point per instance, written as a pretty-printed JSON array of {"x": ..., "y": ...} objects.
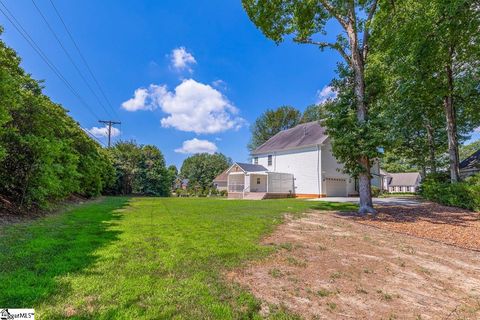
[
  {"x": 306, "y": 134},
  {"x": 471, "y": 162}
]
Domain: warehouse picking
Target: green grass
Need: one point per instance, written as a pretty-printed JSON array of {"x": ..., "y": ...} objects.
[{"x": 142, "y": 258}]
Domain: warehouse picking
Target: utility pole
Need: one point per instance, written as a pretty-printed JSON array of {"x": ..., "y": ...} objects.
[{"x": 109, "y": 123}]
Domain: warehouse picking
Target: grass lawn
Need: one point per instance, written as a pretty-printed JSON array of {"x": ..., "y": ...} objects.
[{"x": 145, "y": 258}]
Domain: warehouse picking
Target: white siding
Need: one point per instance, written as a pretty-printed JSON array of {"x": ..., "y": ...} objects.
[
  {"x": 258, "y": 183},
  {"x": 331, "y": 168},
  {"x": 310, "y": 174},
  {"x": 302, "y": 163}
]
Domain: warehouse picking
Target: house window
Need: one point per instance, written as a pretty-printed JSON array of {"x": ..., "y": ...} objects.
[
  {"x": 258, "y": 180},
  {"x": 270, "y": 160},
  {"x": 255, "y": 160}
]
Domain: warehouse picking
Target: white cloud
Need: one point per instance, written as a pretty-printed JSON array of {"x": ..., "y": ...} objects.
[
  {"x": 199, "y": 108},
  {"x": 145, "y": 98},
  {"x": 103, "y": 132},
  {"x": 137, "y": 102},
  {"x": 197, "y": 146},
  {"x": 192, "y": 107},
  {"x": 220, "y": 84},
  {"x": 477, "y": 130},
  {"x": 327, "y": 93},
  {"x": 182, "y": 60}
]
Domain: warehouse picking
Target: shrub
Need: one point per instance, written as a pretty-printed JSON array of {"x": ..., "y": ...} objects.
[
  {"x": 375, "y": 191},
  {"x": 465, "y": 194}
]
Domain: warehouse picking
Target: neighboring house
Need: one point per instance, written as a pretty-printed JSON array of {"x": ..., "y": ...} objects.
[
  {"x": 471, "y": 165},
  {"x": 181, "y": 184},
  {"x": 401, "y": 182},
  {"x": 297, "y": 162},
  {"x": 220, "y": 181}
]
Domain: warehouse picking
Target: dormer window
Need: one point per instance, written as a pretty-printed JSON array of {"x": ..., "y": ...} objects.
[
  {"x": 270, "y": 160},
  {"x": 255, "y": 160}
]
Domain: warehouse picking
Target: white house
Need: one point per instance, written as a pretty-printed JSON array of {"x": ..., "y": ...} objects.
[{"x": 297, "y": 162}]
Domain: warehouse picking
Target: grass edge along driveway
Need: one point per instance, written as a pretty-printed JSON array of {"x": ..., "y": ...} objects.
[{"x": 145, "y": 258}]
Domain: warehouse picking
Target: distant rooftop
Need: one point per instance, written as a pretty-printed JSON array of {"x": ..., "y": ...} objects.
[
  {"x": 471, "y": 162},
  {"x": 306, "y": 134},
  {"x": 404, "y": 179}
]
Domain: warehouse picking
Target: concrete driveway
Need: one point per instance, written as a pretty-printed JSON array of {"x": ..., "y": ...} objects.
[{"x": 390, "y": 201}]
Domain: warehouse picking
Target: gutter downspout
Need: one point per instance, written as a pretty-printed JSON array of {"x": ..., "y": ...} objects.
[{"x": 319, "y": 168}]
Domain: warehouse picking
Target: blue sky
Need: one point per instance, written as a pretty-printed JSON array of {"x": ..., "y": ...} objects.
[{"x": 182, "y": 75}]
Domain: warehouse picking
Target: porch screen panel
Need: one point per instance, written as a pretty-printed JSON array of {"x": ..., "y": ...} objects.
[{"x": 280, "y": 182}]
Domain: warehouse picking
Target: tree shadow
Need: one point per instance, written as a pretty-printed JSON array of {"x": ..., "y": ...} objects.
[
  {"x": 343, "y": 207},
  {"x": 35, "y": 254}
]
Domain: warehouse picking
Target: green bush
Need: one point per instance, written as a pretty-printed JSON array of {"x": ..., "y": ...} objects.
[
  {"x": 375, "y": 191},
  {"x": 465, "y": 194}
]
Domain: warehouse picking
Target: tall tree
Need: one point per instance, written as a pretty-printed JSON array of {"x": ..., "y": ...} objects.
[
  {"x": 201, "y": 168},
  {"x": 140, "y": 169},
  {"x": 315, "y": 112},
  {"x": 437, "y": 72},
  {"x": 271, "y": 122},
  {"x": 172, "y": 175},
  {"x": 306, "y": 21}
]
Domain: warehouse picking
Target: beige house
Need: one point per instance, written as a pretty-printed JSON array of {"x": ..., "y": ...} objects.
[{"x": 401, "y": 182}]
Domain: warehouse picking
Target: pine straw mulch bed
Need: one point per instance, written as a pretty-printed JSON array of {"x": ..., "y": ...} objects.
[{"x": 431, "y": 221}]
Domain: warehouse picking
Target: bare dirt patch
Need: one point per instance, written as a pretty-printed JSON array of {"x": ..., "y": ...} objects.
[{"x": 330, "y": 267}]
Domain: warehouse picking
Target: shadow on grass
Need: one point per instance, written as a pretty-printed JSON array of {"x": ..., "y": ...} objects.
[
  {"x": 35, "y": 254},
  {"x": 334, "y": 206}
]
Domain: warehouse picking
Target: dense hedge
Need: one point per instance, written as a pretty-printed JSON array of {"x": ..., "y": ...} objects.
[
  {"x": 44, "y": 154},
  {"x": 465, "y": 194}
]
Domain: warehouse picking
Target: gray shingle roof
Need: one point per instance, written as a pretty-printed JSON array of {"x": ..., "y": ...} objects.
[
  {"x": 306, "y": 134},
  {"x": 471, "y": 162},
  {"x": 249, "y": 167},
  {"x": 404, "y": 179}
]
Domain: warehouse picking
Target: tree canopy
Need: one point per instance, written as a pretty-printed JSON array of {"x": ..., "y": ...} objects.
[
  {"x": 305, "y": 22},
  {"x": 271, "y": 122},
  {"x": 140, "y": 169},
  {"x": 201, "y": 168},
  {"x": 44, "y": 154}
]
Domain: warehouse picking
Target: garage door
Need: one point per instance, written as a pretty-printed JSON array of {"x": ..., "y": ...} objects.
[{"x": 336, "y": 187}]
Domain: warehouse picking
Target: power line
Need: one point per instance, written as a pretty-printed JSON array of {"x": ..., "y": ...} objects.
[
  {"x": 69, "y": 56},
  {"x": 83, "y": 58},
  {"x": 109, "y": 124},
  {"x": 93, "y": 136},
  {"x": 42, "y": 55}
]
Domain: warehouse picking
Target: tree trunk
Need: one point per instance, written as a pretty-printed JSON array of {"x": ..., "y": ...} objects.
[
  {"x": 365, "y": 190},
  {"x": 451, "y": 128},
  {"x": 431, "y": 148}
]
